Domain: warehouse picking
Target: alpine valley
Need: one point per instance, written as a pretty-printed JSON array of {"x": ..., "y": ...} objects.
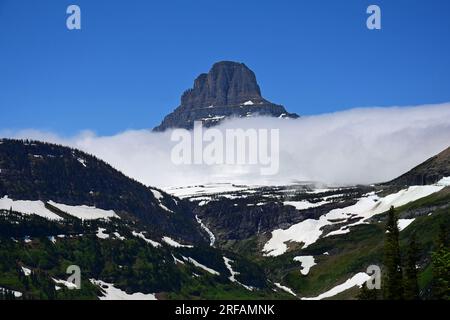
[{"x": 61, "y": 207}]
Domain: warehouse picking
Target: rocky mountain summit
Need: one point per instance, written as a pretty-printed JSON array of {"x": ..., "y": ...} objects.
[{"x": 228, "y": 90}]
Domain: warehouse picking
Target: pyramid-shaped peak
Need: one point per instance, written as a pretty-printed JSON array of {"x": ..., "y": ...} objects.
[
  {"x": 228, "y": 83},
  {"x": 228, "y": 90}
]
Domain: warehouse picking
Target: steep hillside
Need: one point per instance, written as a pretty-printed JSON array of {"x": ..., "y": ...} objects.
[
  {"x": 31, "y": 170},
  {"x": 429, "y": 172},
  {"x": 116, "y": 262}
]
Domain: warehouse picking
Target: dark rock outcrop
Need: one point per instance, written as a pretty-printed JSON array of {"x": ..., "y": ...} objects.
[
  {"x": 429, "y": 172},
  {"x": 228, "y": 90}
]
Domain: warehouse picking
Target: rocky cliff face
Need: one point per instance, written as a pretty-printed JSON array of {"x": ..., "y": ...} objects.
[
  {"x": 228, "y": 90},
  {"x": 429, "y": 172}
]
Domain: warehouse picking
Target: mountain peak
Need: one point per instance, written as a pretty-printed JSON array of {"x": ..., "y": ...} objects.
[
  {"x": 229, "y": 89},
  {"x": 227, "y": 83}
]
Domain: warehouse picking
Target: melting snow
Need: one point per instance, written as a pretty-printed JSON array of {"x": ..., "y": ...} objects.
[
  {"x": 112, "y": 293},
  {"x": 307, "y": 263},
  {"x": 213, "y": 118},
  {"x": 357, "y": 280},
  {"x": 67, "y": 284},
  {"x": 26, "y": 271},
  {"x": 303, "y": 205},
  {"x": 85, "y": 212},
  {"x": 118, "y": 236},
  {"x": 207, "y": 189},
  {"x": 310, "y": 230},
  {"x": 201, "y": 266},
  {"x": 232, "y": 278},
  {"x": 175, "y": 260},
  {"x": 175, "y": 244},
  {"x": 142, "y": 236},
  {"x": 82, "y": 161},
  {"x": 288, "y": 290},
  {"x": 17, "y": 294},
  {"x": 444, "y": 182},
  {"x": 404, "y": 223},
  {"x": 101, "y": 233},
  {"x": 28, "y": 207},
  {"x": 158, "y": 195},
  {"x": 248, "y": 103},
  {"x": 212, "y": 238}
]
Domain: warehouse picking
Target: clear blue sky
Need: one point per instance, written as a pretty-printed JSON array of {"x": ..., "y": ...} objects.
[{"x": 132, "y": 59}]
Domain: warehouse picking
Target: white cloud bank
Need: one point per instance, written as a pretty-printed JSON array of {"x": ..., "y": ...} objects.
[{"x": 356, "y": 146}]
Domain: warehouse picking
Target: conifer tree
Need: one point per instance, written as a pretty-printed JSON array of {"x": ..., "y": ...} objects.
[
  {"x": 441, "y": 266},
  {"x": 411, "y": 287},
  {"x": 393, "y": 280},
  {"x": 367, "y": 294}
]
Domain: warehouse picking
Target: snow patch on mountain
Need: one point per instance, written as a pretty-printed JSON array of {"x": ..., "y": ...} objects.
[
  {"x": 112, "y": 293},
  {"x": 85, "y": 212},
  {"x": 16, "y": 294},
  {"x": 212, "y": 238},
  {"x": 404, "y": 223},
  {"x": 159, "y": 197},
  {"x": 67, "y": 284},
  {"x": 307, "y": 263},
  {"x": 444, "y": 182},
  {"x": 304, "y": 204},
  {"x": 142, "y": 236},
  {"x": 310, "y": 230},
  {"x": 101, "y": 233},
  {"x": 28, "y": 207},
  {"x": 175, "y": 244},
  {"x": 284, "y": 288},
  {"x": 196, "y": 191},
  {"x": 26, "y": 271},
  {"x": 357, "y": 280},
  {"x": 233, "y": 273},
  {"x": 201, "y": 266}
]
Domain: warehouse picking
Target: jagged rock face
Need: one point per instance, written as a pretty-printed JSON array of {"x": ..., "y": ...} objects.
[
  {"x": 229, "y": 89},
  {"x": 227, "y": 83}
]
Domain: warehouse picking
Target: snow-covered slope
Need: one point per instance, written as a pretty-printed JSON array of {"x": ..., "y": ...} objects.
[
  {"x": 39, "y": 208},
  {"x": 310, "y": 230}
]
